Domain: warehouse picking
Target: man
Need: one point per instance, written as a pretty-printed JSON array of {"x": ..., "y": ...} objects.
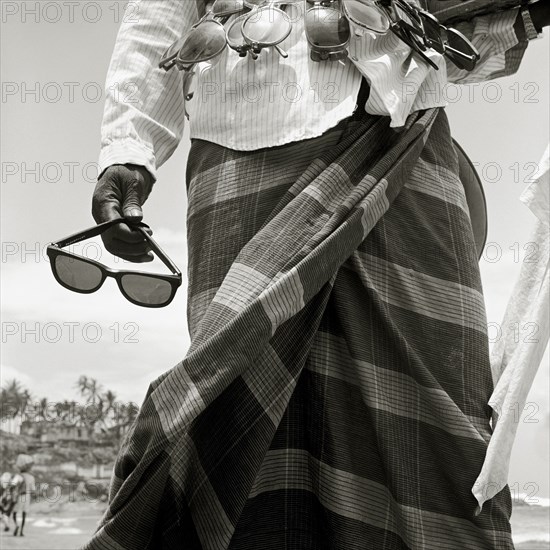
[
  {"x": 6, "y": 500},
  {"x": 24, "y": 489},
  {"x": 335, "y": 391}
]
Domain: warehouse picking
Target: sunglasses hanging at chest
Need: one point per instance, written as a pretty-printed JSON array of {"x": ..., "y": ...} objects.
[
  {"x": 328, "y": 24},
  {"x": 263, "y": 24}
]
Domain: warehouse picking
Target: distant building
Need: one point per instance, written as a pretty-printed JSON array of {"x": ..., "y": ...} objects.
[
  {"x": 12, "y": 424},
  {"x": 47, "y": 432}
]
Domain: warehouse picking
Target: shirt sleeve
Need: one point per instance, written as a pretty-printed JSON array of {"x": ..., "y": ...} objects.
[
  {"x": 144, "y": 113},
  {"x": 501, "y": 39}
]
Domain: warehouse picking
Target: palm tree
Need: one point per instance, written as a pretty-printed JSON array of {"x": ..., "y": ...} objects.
[
  {"x": 11, "y": 399},
  {"x": 126, "y": 415},
  {"x": 5, "y": 407},
  {"x": 93, "y": 411},
  {"x": 26, "y": 398},
  {"x": 89, "y": 388},
  {"x": 132, "y": 411},
  {"x": 112, "y": 406},
  {"x": 14, "y": 400},
  {"x": 41, "y": 413}
]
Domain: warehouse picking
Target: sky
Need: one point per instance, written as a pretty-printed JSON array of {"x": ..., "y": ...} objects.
[{"x": 53, "y": 66}]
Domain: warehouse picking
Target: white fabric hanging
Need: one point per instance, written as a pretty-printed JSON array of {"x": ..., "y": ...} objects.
[{"x": 515, "y": 361}]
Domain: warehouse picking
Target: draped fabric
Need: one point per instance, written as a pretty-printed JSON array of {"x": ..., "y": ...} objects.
[{"x": 335, "y": 392}]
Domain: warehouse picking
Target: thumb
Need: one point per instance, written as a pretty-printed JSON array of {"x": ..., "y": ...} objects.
[{"x": 131, "y": 206}]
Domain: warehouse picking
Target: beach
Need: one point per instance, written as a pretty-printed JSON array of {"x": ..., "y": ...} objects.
[
  {"x": 531, "y": 527},
  {"x": 67, "y": 526}
]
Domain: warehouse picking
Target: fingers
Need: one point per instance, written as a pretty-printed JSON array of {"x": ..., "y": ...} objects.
[
  {"x": 131, "y": 205},
  {"x": 139, "y": 259},
  {"x": 106, "y": 200},
  {"x": 120, "y": 192},
  {"x": 124, "y": 232},
  {"x": 127, "y": 243},
  {"x": 137, "y": 252},
  {"x": 128, "y": 249}
]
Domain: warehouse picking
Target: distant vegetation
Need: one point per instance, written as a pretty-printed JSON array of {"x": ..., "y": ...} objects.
[{"x": 87, "y": 431}]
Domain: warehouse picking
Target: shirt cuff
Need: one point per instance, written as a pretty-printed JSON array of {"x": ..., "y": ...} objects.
[{"x": 127, "y": 151}]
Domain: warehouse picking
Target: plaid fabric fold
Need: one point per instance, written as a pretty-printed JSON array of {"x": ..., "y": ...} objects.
[{"x": 335, "y": 392}]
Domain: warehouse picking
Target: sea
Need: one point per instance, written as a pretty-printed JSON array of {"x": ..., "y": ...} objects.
[{"x": 531, "y": 523}]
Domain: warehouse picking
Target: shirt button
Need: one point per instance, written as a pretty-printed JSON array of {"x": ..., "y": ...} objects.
[{"x": 354, "y": 58}]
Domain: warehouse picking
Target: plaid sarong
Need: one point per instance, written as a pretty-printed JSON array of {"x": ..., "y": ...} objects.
[{"x": 335, "y": 392}]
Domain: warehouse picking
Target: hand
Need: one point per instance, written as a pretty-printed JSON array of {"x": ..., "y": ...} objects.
[
  {"x": 540, "y": 14},
  {"x": 120, "y": 192}
]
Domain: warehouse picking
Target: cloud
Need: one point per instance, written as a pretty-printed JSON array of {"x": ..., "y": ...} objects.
[
  {"x": 8, "y": 373},
  {"x": 29, "y": 289},
  {"x": 51, "y": 335}
]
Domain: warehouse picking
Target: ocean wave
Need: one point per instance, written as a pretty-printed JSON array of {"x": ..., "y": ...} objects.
[
  {"x": 531, "y": 537},
  {"x": 531, "y": 500}
]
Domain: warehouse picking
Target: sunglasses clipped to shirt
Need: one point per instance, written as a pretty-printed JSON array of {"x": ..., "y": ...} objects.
[
  {"x": 85, "y": 276},
  {"x": 264, "y": 25},
  {"x": 328, "y": 29}
]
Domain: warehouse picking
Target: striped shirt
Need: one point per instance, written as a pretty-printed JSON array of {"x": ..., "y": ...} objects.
[{"x": 245, "y": 104}]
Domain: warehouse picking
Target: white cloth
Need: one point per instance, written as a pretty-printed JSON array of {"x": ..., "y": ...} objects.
[
  {"x": 515, "y": 361},
  {"x": 245, "y": 104}
]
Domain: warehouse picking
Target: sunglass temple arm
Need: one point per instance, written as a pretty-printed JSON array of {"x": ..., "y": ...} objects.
[
  {"x": 98, "y": 229},
  {"x": 158, "y": 251},
  {"x": 87, "y": 233}
]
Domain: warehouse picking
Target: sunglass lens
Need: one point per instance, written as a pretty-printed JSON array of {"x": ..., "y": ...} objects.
[
  {"x": 167, "y": 61},
  {"x": 432, "y": 28},
  {"x": 235, "y": 37},
  {"x": 78, "y": 274},
  {"x": 224, "y": 8},
  {"x": 254, "y": 3},
  {"x": 406, "y": 17},
  {"x": 266, "y": 26},
  {"x": 326, "y": 27},
  {"x": 367, "y": 15},
  {"x": 173, "y": 49},
  {"x": 146, "y": 290},
  {"x": 459, "y": 42},
  {"x": 202, "y": 43}
]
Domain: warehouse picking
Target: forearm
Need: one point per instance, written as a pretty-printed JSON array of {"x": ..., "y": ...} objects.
[
  {"x": 144, "y": 111},
  {"x": 501, "y": 38}
]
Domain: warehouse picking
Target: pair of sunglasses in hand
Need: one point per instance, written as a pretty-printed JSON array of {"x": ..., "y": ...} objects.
[{"x": 85, "y": 276}]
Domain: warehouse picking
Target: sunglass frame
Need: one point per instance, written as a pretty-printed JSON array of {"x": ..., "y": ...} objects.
[{"x": 55, "y": 249}]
